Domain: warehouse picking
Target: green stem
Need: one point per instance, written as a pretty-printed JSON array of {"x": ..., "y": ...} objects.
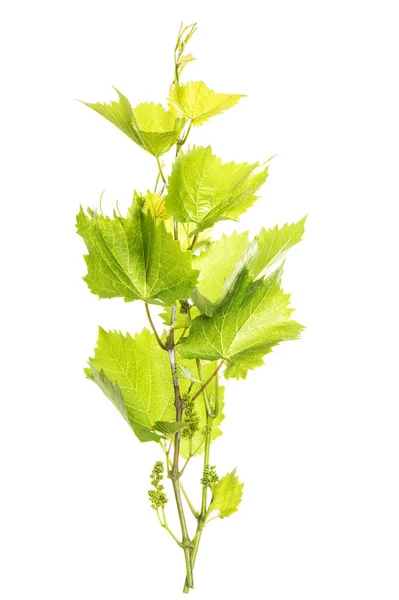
[
  {"x": 184, "y": 140},
  {"x": 169, "y": 466},
  {"x": 164, "y": 524},
  {"x": 210, "y": 415},
  {"x": 196, "y": 542},
  {"x": 185, "y": 465},
  {"x": 160, "y": 342},
  {"x": 161, "y": 171},
  {"x": 190, "y": 504},
  {"x": 191, "y": 247},
  {"x": 207, "y": 382},
  {"x": 174, "y": 472}
]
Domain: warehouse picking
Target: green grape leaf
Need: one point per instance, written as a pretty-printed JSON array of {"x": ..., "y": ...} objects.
[
  {"x": 156, "y": 205},
  {"x": 204, "y": 305},
  {"x": 183, "y": 372},
  {"x": 181, "y": 319},
  {"x": 169, "y": 428},
  {"x": 134, "y": 373},
  {"x": 203, "y": 190},
  {"x": 269, "y": 248},
  {"x": 157, "y": 129},
  {"x": 227, "y": 495},
  {"x": 135, "y": 258},
  {"x": 197, "y": 102},
  {"x": 184, "y": 61},
  {"x": 217, "y": 262},
  {"x": 220, "y": 264},
  {"x": 149, "y": 125},
  {"x": 140, "y": 370},
  {"x": 114, "y": 393},
  {"x": 251, "y": 319}
]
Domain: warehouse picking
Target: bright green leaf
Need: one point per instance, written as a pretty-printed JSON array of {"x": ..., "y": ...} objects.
[
  {"x": 220, "y": 264},
  {"x": 227, "y": 495},
  {"x": 183, "y": 372},
  {"x": 169, "y": 428},
  {"x": 141, "y": 370},
  {"x": 134, "y": 258},
  {"x": 137, "y": 379},
  {"x": 197, "y": 102},
  {"x": 205, "y": 306},
  {"x": 217, "y": 262},
  {"x": 203, "y": 190},
  {"x": 181, "y": 319},
  {"x": 251, "y": 319},
  {"x": 269, "y": 248},
  {"x": 156, "y": 205},
  {"x": 184, "y": 61},
  {"x": 157, "y": 129},
  {"x": 114, "y": 393},
  {"x": 149, "y": 125}
]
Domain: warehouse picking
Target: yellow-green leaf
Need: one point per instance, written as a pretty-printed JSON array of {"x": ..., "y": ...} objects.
[
  {"x": 134, "y": 371},
  {"x": 203, "y": 190},
  {"x": 217, "y": 262},
  {"x": 227, "y": 495},
  {"x": 252, "y": 318},
  {"x": 198, "y": 103},
  {"x": 135, "y": 258},
  {"x": 152, "y": 127},
  {"x": 156, "y": 205}
]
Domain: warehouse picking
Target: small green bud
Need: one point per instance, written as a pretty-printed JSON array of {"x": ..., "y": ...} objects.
[
  {"x": 210, "y": 477},
  {"x": 190, "y": 416},
  {"x": 157, "y": 496},
  {"x": 184, "y": 307}
]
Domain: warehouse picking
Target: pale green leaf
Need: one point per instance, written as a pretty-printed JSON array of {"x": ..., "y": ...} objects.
[
  {"x": 169, "y": 428},
  {"x": 114, "y": 393},
  {"x": 119, "y": 113},
  {"x": 184, "y": 61},
  {"x": 253, "y": 317},
  {"x": 135, "y": 258},
  {"x": 269, "y": 248},
  {"x": 181, "y": 319},
  {"x": 157, "y": 129},
  {"x": 138, "y": 381},
  {"x": 149, "y": 125},
  {"x": 141, "y": 370},
  {"x": 227, "y": 495},
  {"x": 156, "y": 205},
  {"x": 217, "y": 262},
  {"x": 203, "y": 190},
  {"x": 183, "y": 372},
  {"x": 220, "y": 264},
  {"x": 204, "y": 305},
  {"x": 197, "y": 102}
]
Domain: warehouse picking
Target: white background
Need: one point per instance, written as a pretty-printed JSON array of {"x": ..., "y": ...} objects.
[{"x": 314, "y": 433}]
